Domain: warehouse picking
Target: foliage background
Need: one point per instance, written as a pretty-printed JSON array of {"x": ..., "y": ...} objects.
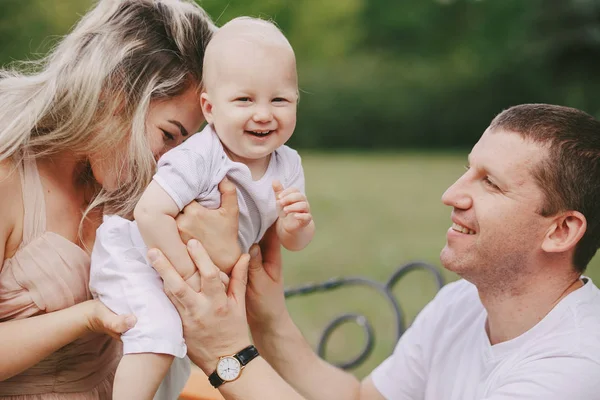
[{"x": 380, "y": 74}]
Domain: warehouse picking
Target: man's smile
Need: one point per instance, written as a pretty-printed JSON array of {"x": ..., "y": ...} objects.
[{"x": 462, "y": 229}]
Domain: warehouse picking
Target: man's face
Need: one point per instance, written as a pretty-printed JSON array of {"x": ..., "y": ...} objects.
[{"x": 496, "y": 229}]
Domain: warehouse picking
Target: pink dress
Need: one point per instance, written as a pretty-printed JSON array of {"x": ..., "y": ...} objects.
[{"x": 50, "y": 273}]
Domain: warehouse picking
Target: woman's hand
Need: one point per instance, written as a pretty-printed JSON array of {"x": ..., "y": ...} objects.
[
  {"x": 101, "y": 319},
  {"x": 217, "y": 230},
  {"x": 265, "y": 299},
  {"x": 214, "y": 320}
]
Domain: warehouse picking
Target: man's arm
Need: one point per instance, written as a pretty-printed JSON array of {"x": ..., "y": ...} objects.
[
  {"x": 214, "y": 323},
  {"x": 292, "y": 357},
  {"x": 280, "y": 341},
  {"x": 403, "y": 376},
  {"x": 259, "y": 381}
]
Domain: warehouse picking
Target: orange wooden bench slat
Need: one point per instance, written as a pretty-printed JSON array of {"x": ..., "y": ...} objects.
[{"x": 198, "y": 388}]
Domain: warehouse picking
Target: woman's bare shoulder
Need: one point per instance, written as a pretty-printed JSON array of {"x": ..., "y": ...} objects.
[
  {"x": 11, "y": 204},
  {"x": 10, "y": 182}
]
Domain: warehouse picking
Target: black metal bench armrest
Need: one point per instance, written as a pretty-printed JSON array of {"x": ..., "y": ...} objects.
[{"x": 385, "y": 289}]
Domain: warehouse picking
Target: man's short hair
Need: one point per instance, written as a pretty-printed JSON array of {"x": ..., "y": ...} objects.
[{"x": 570, "y": 176}]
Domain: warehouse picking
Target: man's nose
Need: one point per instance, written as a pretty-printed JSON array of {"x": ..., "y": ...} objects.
[{"x": 457, "y": 195}]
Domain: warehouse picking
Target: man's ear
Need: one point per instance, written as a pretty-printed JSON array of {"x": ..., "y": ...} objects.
[
  {"x": 207, "y": 107},
  {"x": 566, "y": 231}
]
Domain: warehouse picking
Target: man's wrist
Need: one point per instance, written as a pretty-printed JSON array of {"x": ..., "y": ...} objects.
[
  {"x": 229, "y": 367},
  {"x": 208, "y": 361},
  {"x": 267, "y": 335},
  {"x": 272, "y": 321}
]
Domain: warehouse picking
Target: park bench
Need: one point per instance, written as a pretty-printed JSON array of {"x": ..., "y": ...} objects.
[{"x": 198, "y": 387}]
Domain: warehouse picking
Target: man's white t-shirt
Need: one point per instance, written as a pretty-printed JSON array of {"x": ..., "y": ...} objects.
[{"x": 446, "y": 354}]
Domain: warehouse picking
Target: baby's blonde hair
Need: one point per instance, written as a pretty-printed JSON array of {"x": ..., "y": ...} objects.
[{"x": 91, "y": 94}]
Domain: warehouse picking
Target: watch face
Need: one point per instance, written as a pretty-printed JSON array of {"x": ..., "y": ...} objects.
[{"x": 228, "y": 368}]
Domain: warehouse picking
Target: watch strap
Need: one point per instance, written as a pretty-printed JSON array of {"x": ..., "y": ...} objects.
[
  {"x": 246, "y": 355},
  {"x": 215, "y": 379}
]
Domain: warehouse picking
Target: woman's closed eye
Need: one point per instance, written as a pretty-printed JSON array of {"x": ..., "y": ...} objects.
[{"x": 168, "y": 136}]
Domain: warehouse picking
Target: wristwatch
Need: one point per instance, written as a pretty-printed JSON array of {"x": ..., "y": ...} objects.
[{"x": 229, "y": 368}]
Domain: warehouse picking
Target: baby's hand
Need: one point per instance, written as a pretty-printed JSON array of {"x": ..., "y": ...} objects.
[{"x": 292, "y": 208}]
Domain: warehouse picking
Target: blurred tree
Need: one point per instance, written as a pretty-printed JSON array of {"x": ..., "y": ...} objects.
[
  {"x": 387, "y": 73},
  {"x": 568, "y": 36},
  {"x": 29, "y": 28}
]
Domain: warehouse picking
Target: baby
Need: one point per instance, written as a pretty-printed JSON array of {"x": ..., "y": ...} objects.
[{"x": 249, "y": 101}]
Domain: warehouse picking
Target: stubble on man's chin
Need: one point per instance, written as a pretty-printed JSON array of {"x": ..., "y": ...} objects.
[{"x": 498, "y": 278}]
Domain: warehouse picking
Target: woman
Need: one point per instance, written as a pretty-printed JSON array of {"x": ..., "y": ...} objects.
[{"x": 80, "y": 137}]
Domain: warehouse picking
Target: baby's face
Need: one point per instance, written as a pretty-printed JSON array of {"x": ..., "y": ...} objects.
[{"x": 253, "y": 101}]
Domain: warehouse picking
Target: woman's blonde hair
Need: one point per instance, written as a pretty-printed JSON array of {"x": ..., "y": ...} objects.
[{"x": 91, "y": 94}]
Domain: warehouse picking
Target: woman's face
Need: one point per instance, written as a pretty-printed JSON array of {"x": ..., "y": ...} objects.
[{"x": 169, "y": 122}]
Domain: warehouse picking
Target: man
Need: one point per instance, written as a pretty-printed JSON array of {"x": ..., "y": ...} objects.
[{"x": 522, "y": 324}]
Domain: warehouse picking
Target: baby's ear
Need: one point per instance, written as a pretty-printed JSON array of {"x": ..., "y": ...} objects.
[{"x": 206, "y": 105}]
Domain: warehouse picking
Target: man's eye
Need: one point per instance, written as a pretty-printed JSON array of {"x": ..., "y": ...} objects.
[
  {"x": 490, "y": 183},
  {"x": 168, "y": 135}
]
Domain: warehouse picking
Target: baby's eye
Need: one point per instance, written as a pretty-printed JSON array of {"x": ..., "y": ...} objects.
[
  {"x": 279, "y": 99},
  {"x": 243, "y": 99}
]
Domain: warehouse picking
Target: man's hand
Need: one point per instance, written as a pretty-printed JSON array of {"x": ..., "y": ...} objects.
[
  {"x": 214, "y": 320},
  {"x": 292, "y": 208},
  {"x": 217, "y": 230},
  {"x": 265, "y": 300}
]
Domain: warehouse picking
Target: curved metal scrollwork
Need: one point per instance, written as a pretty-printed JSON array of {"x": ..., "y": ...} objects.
[{"x": 386, "y": 290}]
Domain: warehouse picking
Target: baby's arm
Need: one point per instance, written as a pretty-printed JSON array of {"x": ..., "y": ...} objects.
[
  {"x": 155, "y": 215},
  {"x": 295, "y": 226},
  {"x": 138, "y": 376}
]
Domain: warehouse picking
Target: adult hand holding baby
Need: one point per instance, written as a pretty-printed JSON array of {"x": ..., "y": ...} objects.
[
  {"x": 265, "y": 299},
  {"x": 100, "y": 319},
  {"x": 214, "y": 320},
  {"x": 216, "y": 229}
]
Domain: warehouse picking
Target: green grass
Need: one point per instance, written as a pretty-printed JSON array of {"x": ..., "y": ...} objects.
[{"x": 373, "y": 212}]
